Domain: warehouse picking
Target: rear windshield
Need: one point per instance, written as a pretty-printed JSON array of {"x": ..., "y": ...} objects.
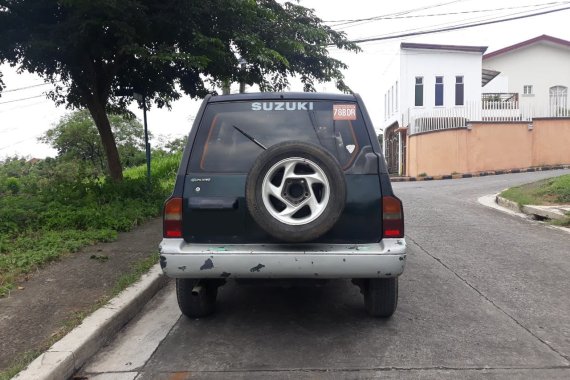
[{"x": 220, "y": 146}]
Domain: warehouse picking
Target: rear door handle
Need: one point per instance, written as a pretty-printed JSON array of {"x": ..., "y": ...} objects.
[{"x": 213, "y": 203}]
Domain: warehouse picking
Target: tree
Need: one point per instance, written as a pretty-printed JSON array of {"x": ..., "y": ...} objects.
[
  {"x": 94, "y": 49},
  {"x": 75, "y": 138},
  {"x": 171, "y": 145}
]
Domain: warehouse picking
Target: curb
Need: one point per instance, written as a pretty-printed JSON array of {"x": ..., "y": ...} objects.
[
  {"x": 69, "y": 354},
  {"x": 506, "y": 206},
  {"x": 530, "y": 210},
  {"x": 478, "y": 174},
  {"x": 504, "y": 202}
]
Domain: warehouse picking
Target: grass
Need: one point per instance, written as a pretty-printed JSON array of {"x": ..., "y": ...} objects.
[
  {"x": 58, "y": 218},
  {"x": 547, "y": 192},
  {"x": 133, "y": 276},
  {"x": 75, "y": 319},
  {"x": 54, "y": 208}
]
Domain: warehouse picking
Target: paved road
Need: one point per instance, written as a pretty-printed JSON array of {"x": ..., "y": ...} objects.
[{"x": 483, "y": 294}]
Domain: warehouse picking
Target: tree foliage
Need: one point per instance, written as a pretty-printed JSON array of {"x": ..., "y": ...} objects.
[
  {"x": 75, "y": 137},
  {"x": 91, "y": 49}
]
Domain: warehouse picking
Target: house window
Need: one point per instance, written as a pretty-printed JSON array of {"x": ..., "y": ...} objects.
[
  {"x": 559, "y": 101},
  {"x": 459, "y": 91},
  {"x": 419, "y": 102},
  {"x": 396, "y": 97},
  {"x": 438, "y": 91},
  {"x": 527, "y": 89},
  {"x": 392, "y": 100}
]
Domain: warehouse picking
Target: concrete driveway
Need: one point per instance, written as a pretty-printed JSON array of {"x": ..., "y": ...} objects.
[{"x": 484, "y": 294}]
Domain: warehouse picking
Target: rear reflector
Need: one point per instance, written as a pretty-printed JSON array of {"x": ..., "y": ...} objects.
[
  {"x": 392, "y": 217},
  {"x": 172, "y": 218}
]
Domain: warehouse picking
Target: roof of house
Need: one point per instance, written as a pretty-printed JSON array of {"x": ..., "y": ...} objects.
[
  {"x": 488, "y": 75},
  {"x": 472, "y": 49},
  {"x": 540, "y": 39}
]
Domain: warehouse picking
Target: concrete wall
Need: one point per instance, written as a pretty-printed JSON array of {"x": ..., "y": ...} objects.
[{"x": 489, "y": 147}]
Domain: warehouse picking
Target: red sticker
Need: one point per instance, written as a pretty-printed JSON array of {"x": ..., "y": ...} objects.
[{"x": 344, "y": 111}]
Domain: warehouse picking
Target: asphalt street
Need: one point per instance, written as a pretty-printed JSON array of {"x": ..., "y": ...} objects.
[{"x": 484, "y": 294}]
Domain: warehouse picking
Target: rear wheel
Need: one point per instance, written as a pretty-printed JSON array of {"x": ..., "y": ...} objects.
[
  {"x": 196, "y": 298},
  {"x": 381, "y": 296}
]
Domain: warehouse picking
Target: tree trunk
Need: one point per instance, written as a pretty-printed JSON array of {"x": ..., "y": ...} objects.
[{"x": 97, "y": 111}]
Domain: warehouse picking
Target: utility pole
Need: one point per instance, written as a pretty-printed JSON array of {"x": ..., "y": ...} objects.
[
  {"x": 242, "y": 63},
  {"x": 142, "y": 97},
  {"x": 226, "y": 87}
]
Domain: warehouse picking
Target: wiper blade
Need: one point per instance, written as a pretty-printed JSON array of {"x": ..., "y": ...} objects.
[{"x": 252, "y": 139}]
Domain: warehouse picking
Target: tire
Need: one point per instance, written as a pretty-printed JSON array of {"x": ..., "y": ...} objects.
[
  {"x": 381, "y": 296},
  {"x": 196, "y": 305},
  {"x": 304, "y": 168}
]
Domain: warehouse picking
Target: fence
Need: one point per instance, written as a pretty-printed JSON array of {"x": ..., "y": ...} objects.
[{"x": 442, "y": 118}]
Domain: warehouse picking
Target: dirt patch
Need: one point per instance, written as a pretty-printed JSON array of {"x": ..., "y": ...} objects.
[{"x": 53, "y": 295}]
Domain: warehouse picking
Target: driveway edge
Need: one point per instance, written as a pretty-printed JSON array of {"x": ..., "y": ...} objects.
[
  {"x": 479, "y": 174},
  {"x": 512, "y": 208},
  {"x": 67, "y": 355}
]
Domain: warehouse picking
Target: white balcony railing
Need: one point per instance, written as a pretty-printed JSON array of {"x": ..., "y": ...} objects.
[{"x": 422, "y": 120}]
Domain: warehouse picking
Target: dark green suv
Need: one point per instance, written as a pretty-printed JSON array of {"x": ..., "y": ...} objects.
[{"x": 283, "y": 186}]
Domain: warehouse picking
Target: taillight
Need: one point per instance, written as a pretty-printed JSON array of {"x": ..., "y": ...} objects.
[
  {"x": 172, "y": 218},
  {"x": 392, "y": 217}
]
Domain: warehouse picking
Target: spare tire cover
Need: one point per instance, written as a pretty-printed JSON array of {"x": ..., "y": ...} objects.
[{"x": 296, "y": 191}]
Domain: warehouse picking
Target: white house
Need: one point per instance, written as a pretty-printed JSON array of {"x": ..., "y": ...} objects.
[
  {"x": 535, "y": 72},
  {"x": 432, "y": 80}
]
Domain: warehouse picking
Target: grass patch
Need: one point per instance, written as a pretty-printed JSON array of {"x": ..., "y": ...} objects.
[
  {"x": 19, "y": 255},
  {"x": 75, "y": 319},
  {"x": 19, "y": 364},
  {"x": 45, "y": 213},
  {"x": 546, "y": 192},
  {"x": 563, "y": 223},
  {"x": 133, "y": 276}
]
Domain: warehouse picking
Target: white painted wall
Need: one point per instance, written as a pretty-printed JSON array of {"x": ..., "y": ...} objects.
[
  {"x": 428, "y": 63},
  {"x": 541, "y": 65},
  {"x": 499, "y": 84},
  {"x": 431, "y": 63}
]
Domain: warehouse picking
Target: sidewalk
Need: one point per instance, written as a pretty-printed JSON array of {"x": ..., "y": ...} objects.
[{"x": 30, "y": 317}]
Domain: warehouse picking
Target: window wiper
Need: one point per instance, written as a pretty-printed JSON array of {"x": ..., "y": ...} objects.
[{"x": 250, "y": 138}]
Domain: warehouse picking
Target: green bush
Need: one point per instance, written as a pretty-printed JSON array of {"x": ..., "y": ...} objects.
[
  {"x": 53, "y": 207},
  {"x": 12, "y": 185}
]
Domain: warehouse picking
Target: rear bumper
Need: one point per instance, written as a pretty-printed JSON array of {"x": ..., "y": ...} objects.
[{"x": 386, "y": 259}]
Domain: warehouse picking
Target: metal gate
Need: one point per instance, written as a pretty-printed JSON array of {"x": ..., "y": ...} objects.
[{"x": 392, "y": 141}]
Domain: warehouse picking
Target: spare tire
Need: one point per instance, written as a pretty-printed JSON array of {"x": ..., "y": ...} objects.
[{"x": 295, "y": 191}]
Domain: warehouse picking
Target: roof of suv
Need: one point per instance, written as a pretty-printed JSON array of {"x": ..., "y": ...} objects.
[{"x": 283, "y": 95}]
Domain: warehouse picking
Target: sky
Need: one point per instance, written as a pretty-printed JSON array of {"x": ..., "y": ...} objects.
[{"x": 25, "y": 113}]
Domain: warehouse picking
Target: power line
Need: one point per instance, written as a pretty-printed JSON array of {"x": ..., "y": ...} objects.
[
  {"x": 19, "y": 100},
  {"x": 18, "y": 142},
  {"x": 457, "y": 23},
  {"x": 25, "y": 88},
  {"x": 4, "y": 110},
  {"x": 457, "y": 27},
  {"x": 399, "y": 13},
  {"x": 480, "y": 17},
  {"x": 396, "y": 17}
]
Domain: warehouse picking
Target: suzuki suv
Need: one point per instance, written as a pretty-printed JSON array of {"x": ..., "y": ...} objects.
[{"x": 283, "y": 186}]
